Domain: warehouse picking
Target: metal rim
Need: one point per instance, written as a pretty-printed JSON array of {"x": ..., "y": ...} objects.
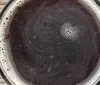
[
  {"x": 3, "y": 10},
  {"x": 6, "y": 61}
]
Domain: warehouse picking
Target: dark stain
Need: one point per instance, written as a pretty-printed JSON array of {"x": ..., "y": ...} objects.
[{"x": 7, "y": 36}]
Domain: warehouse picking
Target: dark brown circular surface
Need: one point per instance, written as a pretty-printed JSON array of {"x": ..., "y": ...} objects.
[{"x": 54, "y": 42}]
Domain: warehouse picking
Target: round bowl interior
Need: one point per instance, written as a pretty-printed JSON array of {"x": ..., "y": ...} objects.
[{"x": 6, "y": 61}]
